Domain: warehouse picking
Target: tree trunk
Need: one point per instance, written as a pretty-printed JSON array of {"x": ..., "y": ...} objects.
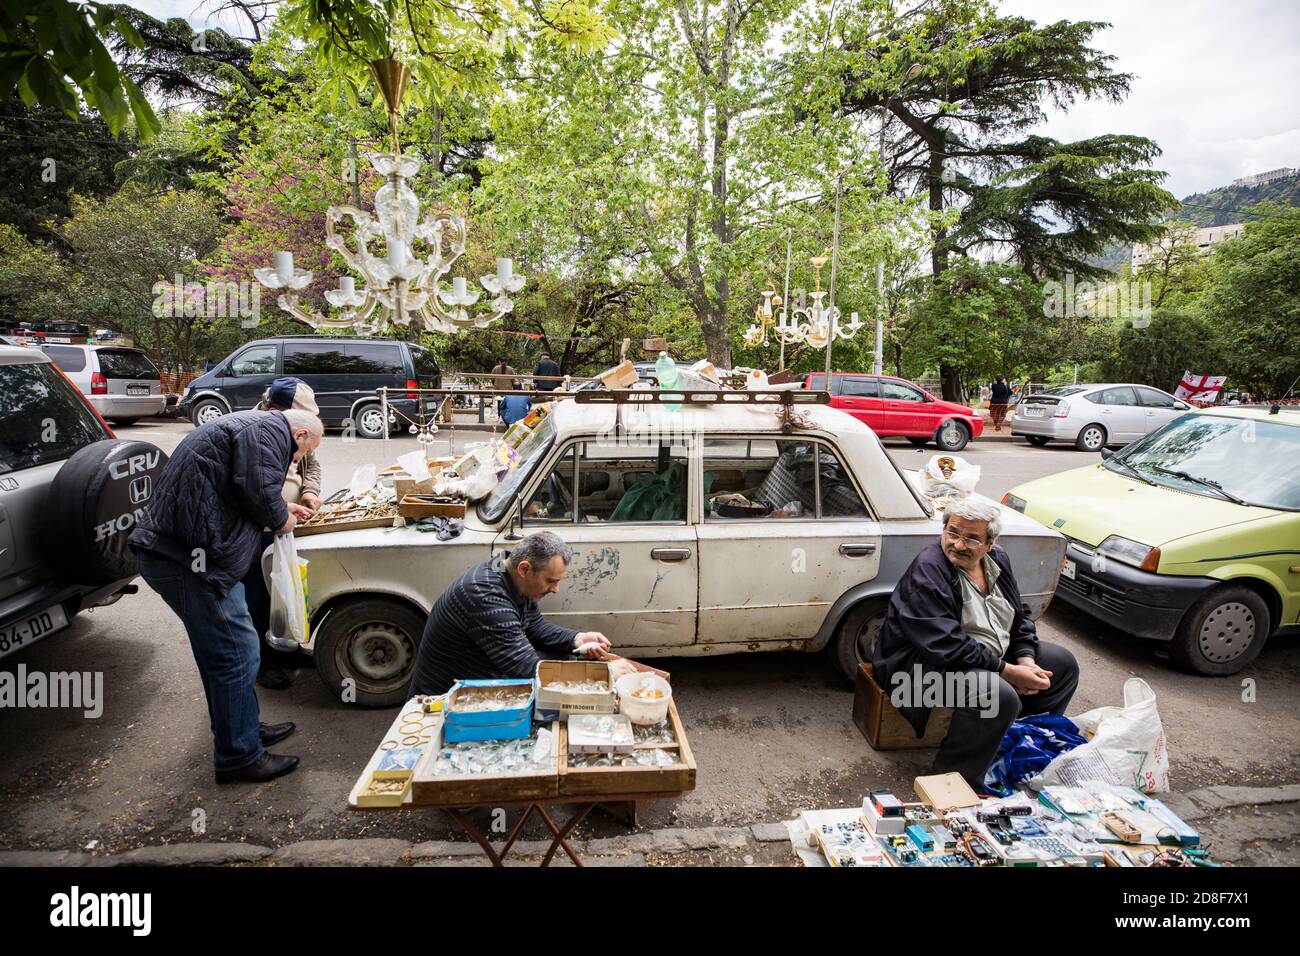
[{"x": 949, "y": 375}]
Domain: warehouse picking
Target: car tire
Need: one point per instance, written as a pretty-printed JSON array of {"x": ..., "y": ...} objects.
[
  {"x": 1091, "y": 438},
  {"x": 855, "y": 640},
  {"x": 919, "y": 442},
  {"x": 369, "y": 421},
  {"x": 94, "y": 503},
  {"x": 205, "y": 411},
  {"x": 368, "y": 648},
  {"x": 1037, "y": 440},
  {"x": 952, "y": 436},
  {"x": 1222, "y": 632}
]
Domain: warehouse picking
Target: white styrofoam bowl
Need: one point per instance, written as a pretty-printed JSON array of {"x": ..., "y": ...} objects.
[{"x": 643, "y": 712}]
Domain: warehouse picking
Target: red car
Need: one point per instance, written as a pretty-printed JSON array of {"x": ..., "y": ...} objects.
[{"x": 894, "y": 406}]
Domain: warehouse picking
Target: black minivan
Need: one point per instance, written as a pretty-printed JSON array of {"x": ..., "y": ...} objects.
[{"x": 345, "y": 374}]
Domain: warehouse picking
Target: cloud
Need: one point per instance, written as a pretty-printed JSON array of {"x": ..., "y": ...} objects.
[{"x": 1214, "y": 83}]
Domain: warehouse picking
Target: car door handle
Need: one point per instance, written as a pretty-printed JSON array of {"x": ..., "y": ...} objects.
[
  {"x": 857, "y": 550},
  {"x": 670, "y": 554}
]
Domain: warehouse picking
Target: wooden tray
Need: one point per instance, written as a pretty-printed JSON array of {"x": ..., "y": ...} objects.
[
  {"x": 344, "y": 516},
  {"x": 426, "y": 506},
  {"x": 582, "y": 781},
  {"x": 430, "y": 791}
]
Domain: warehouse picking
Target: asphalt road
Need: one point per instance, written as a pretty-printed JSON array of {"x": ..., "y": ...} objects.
[{"x": 771, "y": 732}]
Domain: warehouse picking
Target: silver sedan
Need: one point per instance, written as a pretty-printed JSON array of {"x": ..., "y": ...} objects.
[{"x": 1092, "y": 417}]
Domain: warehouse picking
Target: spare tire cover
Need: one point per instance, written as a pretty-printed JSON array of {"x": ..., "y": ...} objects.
[{"x": 95, "y": 502}]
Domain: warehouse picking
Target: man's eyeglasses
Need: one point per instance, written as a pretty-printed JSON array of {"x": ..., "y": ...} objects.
[{"x": 970, "y": 542}]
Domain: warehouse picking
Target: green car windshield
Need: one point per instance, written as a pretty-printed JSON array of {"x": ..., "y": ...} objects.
[{"x": 1248, "y": 459}]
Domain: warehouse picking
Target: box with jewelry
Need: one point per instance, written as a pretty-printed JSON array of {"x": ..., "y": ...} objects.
[
  {"x": 489, "y": 710},
  {"x": 601, "y": 733},
  {"x": 386, "y": 788},
  {"x": 471, "y": 773},
  {"x": 574, "y": 687}
]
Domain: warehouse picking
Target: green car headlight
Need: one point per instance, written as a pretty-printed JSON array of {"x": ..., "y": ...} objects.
[
  {"x": 1013, "y": 502},
  {"x": 1130, "y": 552}
]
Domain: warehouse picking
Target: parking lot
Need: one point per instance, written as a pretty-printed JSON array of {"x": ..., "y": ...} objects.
[{"x": 771, "y": 732}]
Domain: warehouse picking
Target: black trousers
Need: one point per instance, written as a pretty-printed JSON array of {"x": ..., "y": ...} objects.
[{"x": 976, "y": 732}]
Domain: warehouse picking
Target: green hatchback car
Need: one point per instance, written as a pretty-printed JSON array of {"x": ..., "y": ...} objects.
[{"x": 1189, "y": 535}]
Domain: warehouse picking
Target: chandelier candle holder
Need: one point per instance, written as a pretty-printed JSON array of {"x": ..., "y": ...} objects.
[{"x": 405, "y": 282}]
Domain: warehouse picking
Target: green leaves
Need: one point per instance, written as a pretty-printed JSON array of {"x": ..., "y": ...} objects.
[{"x": 53, "y": 49}]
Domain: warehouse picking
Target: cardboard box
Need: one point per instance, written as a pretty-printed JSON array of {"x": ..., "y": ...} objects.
[
  {"x": 558, "y": 705},
  {"x": 622, "y": 375},
  {"x": 881, "y": 723},
  {"x": 946, "y": 791},
  {"x": 581, "y": 741},
  {"x": 509, "y": 723}
]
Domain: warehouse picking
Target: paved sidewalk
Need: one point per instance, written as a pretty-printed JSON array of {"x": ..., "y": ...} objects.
[{"x": 1241, "y": 826}]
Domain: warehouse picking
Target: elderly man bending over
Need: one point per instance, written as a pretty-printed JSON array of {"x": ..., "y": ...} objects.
[{"x": 956, "y": 621}]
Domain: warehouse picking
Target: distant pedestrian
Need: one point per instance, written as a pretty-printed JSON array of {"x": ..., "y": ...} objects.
[
  {"x": 999, "y": 397},
  {"x": 513, "y": 408},
  {"x": 504, "y": 368},
  {"x": 546, "y": 367}
]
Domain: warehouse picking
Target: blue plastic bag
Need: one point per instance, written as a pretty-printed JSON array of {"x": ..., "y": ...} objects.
[{"x": 1028, "y": 746}]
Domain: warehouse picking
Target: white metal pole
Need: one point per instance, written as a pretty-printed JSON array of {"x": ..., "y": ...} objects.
[
  {"x": 835, "y": 261},
  {"x": 785, "y": 296},
  {"x": 878, "y": 359}
]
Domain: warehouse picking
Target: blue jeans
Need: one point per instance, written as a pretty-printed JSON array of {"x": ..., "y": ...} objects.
[{"x": 226, "y": 649}]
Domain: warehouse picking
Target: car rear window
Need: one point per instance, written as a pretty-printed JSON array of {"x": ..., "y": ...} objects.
[
  {"x": 42, "y": 417},
  {"x": 375, "y": 358},
  {"x": 66, "y": 357},
  {"x": 426, "y": 366},
  {"x": 125, "y": 363}
]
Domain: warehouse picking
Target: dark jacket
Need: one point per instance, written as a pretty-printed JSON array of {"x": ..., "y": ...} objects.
[
  {"x": 1000, "y": 394},
  {"x": 513, "y": 408},
  {"x": 923, "y": 626},
  {"x": 546, "y": 367},
  {"x": 219, "y": 489},
  {"x": 482, "y": 628}
]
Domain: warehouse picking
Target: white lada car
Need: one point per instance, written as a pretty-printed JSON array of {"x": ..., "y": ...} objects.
[{"x": 708, "y": 530}]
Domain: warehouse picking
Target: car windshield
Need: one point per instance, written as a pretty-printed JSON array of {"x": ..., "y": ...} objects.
[
  {"x": 1244, "y": 457},
  {"x": 532, "y": 449}
]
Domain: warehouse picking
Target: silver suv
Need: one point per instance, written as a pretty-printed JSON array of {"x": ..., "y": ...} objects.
[
  {"x": 70, "y": 493},
  {"x": 121, "y": 383},
  {"x": 1092, "y": 417}
]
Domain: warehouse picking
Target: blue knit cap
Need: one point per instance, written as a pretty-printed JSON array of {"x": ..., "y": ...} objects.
[{"x": 281, "y": 392}]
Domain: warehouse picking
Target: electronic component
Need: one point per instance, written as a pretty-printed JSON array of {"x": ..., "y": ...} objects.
[
  {"x": 944, "y": 838},
  {"x": 886, "y": 804},
  {"x": 977, "y": 850},
  {"x": 878, "y": 824},
  {"x": 924, "y": 842}
]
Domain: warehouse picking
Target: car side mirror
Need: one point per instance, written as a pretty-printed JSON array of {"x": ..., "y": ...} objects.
[
  {"x": 515, "y": 531},
  {"x": 928, "y": 397},
  {"x": 1106, "y": 453}
]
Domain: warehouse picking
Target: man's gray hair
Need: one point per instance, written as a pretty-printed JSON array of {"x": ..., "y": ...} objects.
[
  {"x": 297, "y": 419},
  {"x": 971, "y": 510},
  {"x": 538, "y": 549}
]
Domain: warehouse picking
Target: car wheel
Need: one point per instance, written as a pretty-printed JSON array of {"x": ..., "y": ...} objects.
[
  {"x": 1038, "y": 440},
  {"x": 952, "y": 436},
  {"x": 1091, "y": 438},
  {"x": 919, "y": 442},
  {"x": 366, "y": 651},
  {"x": 856, "y": 640},
  {"x": 370, "y": 422},
  {"x": 123, "y": 422},
  {"x": 208, "y": 410},
  {"x": 1222, "y": 632}
]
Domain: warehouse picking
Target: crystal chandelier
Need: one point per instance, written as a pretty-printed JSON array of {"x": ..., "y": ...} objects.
[
  {"x": 815, "y": 324},
  {"x": 402, "y": 283}
]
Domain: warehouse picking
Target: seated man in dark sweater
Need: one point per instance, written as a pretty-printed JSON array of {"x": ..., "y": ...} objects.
[{"x": 487, "y": 625}]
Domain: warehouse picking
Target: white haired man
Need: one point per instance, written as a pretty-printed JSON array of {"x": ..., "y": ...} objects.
[
  {"x": 957, "y": 611},
  {"x": 487, "y": 624}
]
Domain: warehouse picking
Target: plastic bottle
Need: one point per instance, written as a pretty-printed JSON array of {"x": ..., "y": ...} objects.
[{"x": 666, "y": 372}]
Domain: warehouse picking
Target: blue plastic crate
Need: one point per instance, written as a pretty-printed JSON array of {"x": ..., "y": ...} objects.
[{"x": 510, "y": 723}]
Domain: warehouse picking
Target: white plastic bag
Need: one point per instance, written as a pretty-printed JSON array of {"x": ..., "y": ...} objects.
[
  {"x": 948, "y": 477},
  {"x": 1126, "y": 746},
  {"x": 288, "y": 593},
  {"x": 363, "y": 479}
]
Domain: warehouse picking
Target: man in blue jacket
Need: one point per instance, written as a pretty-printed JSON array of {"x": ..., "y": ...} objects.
[
  {"x": 957, "y": 629},
  {"x": 200, "y": 534}
]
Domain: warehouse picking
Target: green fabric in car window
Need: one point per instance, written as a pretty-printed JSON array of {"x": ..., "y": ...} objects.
[{"x": 659, "y": 498}]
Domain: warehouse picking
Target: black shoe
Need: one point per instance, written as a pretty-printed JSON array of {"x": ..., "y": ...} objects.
[
  {"x": 274, "y": 733},
  {"x": 266, "y": 767},
  {"x": 274, "y": 678}
]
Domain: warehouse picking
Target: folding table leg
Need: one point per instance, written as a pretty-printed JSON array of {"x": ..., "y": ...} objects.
[
  {"x": 561, "y": 834},
  {"x": 475, "y": 834}
]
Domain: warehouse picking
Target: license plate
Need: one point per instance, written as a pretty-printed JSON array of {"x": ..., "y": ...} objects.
[
  {"x": 1033, "y": 411},
  {"x": 137, "y": 390},
  {"x": 29, "y": 630},
  {"x": 1067, "y": 569}
]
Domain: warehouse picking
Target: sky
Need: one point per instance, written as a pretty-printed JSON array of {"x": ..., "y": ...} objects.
[{"x": 1215, "y": 81}]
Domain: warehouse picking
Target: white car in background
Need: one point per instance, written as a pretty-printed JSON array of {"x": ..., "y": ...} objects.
[
  {"x": 120, "y": 383},
  {"x": 1093, "y": 417}
]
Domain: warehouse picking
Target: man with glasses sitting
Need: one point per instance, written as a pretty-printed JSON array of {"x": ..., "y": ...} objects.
[{"x": 957, "y": 611}]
